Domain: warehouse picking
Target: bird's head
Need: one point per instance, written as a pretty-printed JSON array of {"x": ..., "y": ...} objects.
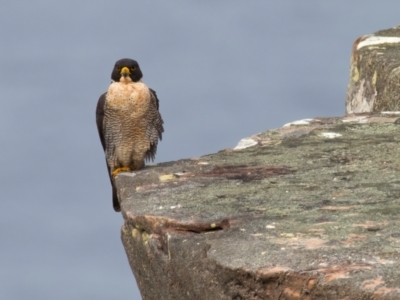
[{"x": 126, "y": 70}]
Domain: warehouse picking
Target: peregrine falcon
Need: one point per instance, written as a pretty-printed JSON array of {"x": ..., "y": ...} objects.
[{"x": 128, "y": 121}]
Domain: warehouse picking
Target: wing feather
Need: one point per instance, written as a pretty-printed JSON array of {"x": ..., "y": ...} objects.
[
  {"x": 155, "y": 126},
  {"x": 100, "y": 117},
  {"x": 100, "y": 128}
]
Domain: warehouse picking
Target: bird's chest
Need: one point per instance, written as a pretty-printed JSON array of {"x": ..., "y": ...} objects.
[{"x": 127, "y": 100}]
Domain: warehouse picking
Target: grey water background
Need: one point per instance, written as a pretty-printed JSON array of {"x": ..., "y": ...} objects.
[{"x": 223, "y": 70}]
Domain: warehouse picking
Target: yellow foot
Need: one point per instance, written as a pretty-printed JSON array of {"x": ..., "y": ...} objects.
[{"x": 118, "y": 170}]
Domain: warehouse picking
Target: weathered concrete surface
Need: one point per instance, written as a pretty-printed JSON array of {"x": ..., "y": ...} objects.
[
  {"x": 310, "y": 211},
  {"x": 374, "y": 83}
]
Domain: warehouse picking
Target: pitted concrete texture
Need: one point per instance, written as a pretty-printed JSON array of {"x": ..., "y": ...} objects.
[{"x": 307, "y": 211}]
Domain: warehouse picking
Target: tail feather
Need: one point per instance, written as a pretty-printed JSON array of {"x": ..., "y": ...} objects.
[{"x": 116, "y": 204}]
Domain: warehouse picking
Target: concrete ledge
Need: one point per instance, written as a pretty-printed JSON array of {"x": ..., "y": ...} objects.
[
  {"x": 374, "y": 83},
  {"x": 307, "y": 211}
]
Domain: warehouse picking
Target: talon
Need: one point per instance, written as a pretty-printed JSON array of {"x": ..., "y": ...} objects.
[{"x": 118, "y": 170}]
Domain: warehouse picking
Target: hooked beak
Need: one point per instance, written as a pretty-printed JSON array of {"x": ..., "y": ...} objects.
[{"x": 125, "y": 72}]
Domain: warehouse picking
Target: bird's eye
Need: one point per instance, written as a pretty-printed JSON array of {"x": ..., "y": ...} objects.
[
  {"x": 133, "y": 68},
  {"x": 118, "y": 68}
]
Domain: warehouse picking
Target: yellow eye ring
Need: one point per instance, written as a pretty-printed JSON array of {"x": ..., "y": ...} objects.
[
  {"x": 118, "y": 68},
  {"x": 133, "y": 68}
]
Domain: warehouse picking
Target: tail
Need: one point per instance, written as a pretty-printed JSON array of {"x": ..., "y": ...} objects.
[
  {"x": 116, "y": 204},
  {"x": 115, "y": 200}
]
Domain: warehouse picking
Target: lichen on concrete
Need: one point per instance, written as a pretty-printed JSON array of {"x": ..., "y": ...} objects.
[{"x": 298, "y": 215}]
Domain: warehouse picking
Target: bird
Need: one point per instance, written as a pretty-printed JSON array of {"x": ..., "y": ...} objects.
[{"x": 128, "y": 122}]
